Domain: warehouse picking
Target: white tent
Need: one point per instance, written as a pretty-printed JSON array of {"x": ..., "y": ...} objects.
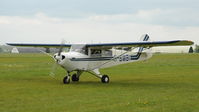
[{"x": 14, "y": 50}]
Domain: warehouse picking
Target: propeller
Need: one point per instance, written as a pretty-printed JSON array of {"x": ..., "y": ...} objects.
[
  {"x": 55, "y": 65},
  {"x": 52, "y": 73},
  {"x": 55, "y": 58}
]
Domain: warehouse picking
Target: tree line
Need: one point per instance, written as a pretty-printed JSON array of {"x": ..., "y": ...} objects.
[{"x": 196, "y": 49}]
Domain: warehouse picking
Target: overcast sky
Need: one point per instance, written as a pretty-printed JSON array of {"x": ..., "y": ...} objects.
[{"x": 94, "y": 21}]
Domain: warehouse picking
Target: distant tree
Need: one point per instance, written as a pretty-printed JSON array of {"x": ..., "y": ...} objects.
[
  {"x": 1, "y": 49},
  {"x": 191, "y": 50},
  {"x": 197, "y": 49},
  {"x": 47, "y": 50}
]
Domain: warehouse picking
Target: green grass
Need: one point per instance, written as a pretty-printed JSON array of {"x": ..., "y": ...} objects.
[{"x": 165, "y": 83}]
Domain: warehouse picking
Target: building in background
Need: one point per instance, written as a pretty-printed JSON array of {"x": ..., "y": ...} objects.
[{"x": 171, "y": 49}]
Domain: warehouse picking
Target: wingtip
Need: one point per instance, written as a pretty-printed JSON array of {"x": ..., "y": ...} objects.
[
  {"x": 191, "y": 42},
  {"x": 7, "y": 43}
]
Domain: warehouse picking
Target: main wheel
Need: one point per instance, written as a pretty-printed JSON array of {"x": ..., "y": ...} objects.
[
  {"x": 75, "y": 78},
  {"x": 105, "y": 79},
  {"x": 66, "y": 80}
]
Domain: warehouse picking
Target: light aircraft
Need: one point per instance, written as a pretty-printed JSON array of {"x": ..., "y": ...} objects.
[{"x": 92, "y": 57}]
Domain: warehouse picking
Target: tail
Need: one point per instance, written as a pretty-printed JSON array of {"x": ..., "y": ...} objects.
[
  {"x": 145, "y": 37},
  {"x": 145, "y": 53}
]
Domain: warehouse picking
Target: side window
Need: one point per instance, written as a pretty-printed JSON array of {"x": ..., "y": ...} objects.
[
  {"x": 86, "y": 50},
  {"x": 101, "y": 53},
  {"x": 107, "y": 53},
  {"x": 96, "y": 52}
]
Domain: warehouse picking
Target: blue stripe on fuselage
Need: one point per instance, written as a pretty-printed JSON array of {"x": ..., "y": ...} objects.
[{"x": 92, "y": 59}]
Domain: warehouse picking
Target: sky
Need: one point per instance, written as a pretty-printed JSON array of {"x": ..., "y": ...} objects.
[{"x": 97, "y": 21}]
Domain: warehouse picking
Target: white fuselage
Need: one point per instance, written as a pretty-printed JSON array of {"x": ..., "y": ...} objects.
[{"x": 75, "y": 60}]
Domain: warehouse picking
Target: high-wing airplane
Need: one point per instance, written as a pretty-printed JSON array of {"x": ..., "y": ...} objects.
[{"x": 92, "y": 57}]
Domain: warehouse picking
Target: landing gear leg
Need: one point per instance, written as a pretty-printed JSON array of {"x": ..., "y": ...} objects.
[
  {"x": 104, "y": 78},
  {"x": 75, "y": 77},
  {"x": 66, "y": 79}
]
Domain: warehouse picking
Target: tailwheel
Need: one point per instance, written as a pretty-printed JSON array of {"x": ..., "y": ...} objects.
[
  {"x": 66, "y": 80},
  {"x": 75, "y": 78},
  {"x": 105, "y": 79}
]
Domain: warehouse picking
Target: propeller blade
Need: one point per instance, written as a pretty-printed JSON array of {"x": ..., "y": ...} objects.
[
  {"x": 53, "y": 70},
  {"x": 61, "y": 47},
  {"x": 54, "y": 67},
  {"x": 46, "y": 53}
]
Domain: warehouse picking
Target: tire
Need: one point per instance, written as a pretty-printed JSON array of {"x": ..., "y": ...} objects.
[
  {"x": 105, "y": 79},
  {"x": 75, "y": 78},
  {"x": 66, "y": 80}
]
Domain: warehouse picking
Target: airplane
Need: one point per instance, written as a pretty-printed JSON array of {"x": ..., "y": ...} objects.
[{"x": 92, "y": 57}]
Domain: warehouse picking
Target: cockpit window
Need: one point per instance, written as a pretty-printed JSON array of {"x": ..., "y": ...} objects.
[{"x": 101, "y": 53}]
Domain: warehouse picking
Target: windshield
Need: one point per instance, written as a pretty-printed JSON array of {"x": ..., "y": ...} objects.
[{"x": 81, "y": 48}]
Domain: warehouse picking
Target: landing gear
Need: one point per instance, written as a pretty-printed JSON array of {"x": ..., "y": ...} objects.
[
  {"x": 75, "y": 78},
  {"x": 66, "y": 79},
  {"x": 105, "y": 79}
]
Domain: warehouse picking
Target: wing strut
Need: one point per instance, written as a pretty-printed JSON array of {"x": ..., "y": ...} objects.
[{"x": 113, "y": 58}]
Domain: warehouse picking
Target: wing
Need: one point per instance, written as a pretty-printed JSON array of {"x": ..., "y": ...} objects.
[
  {"x": 142, "y": 44},
  {"x": 39, "y": 45}
]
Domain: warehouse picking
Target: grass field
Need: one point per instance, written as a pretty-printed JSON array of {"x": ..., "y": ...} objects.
[{"x": 165, "y": 83}]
